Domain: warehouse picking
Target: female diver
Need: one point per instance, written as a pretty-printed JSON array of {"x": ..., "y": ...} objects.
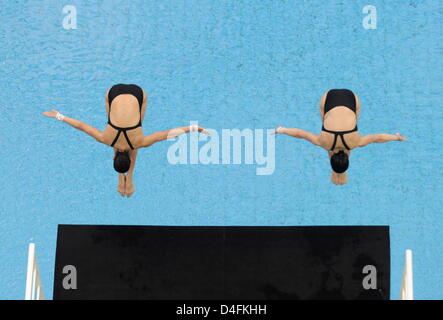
[
  {"x": 339, "y": 110},
  {"x": 125, "y": 107}
]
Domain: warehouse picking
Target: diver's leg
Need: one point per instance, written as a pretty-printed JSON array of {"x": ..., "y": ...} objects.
[
  {"x": 121, "y": 187},
  {"x": 357, "y": 106},
  {"x": 107, "y": 102},
  {"x": 322, "y": 104},
  {"x": 145, "y": 102}
]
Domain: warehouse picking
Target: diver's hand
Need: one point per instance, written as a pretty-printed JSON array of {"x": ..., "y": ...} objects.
[
  {"x": 121, "y": 188},
  {"x": 400, "y": 138},
  {"x": 51, "y": 114},
  {"x": 199, "y": 129},
  {"x": 278, "y": 130},
  {"x": 54, "y": 114},
  {"x": 339, "y": 178},
  {"x": 130, "y": 189}
]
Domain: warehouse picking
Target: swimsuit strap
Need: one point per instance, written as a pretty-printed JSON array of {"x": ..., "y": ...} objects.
[
  {"x": 125, "y": 128},
  {"x": 127, "y": 139},
  {"x": 116, "y": 138},
  {"x": 120, "y": 130},
  {"x": 341, "y": 134},
  {"x": 344, "y": 142},
  {"x": 335, "y": 141}
]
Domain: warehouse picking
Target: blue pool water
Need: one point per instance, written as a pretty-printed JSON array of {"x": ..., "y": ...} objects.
[{"x": 227, "y": 64}]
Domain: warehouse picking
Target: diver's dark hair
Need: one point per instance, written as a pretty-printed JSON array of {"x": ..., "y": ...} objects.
[
  {"x": 340, "y": 162},
  {"x": 122, "y": 162}
]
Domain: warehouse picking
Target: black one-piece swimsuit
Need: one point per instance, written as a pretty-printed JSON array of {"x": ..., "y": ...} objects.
[
  {"x": 335, "y": 98},
  {"x": 119, "y": 89}
]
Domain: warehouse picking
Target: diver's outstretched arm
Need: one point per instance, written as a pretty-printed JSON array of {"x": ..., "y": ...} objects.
[
  {"x": 301, "y": 134},
  {"x": 86, "y": 128},
  {"x": 380, "y": 138},
  {"x": 169, "y": 134}
]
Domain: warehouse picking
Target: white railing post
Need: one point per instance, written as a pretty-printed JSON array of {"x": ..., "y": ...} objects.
[
  {"x": 407, "y": 286},
  {"x": 34, "y": 290}
]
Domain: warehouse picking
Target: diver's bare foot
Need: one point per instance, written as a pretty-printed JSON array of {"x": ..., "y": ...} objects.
[
  {"x": 335, "y": 180},
  {"x": 130, "y": 189},
  {"x": 339, "y": 179},
  {"x": 344, "y": 178},
  {"x": 121, "y": 188}
]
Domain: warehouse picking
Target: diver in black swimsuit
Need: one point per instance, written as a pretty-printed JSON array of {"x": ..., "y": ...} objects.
[
  {"x": 128, "y": 103},
  {"x": 339, "y": 110}
]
